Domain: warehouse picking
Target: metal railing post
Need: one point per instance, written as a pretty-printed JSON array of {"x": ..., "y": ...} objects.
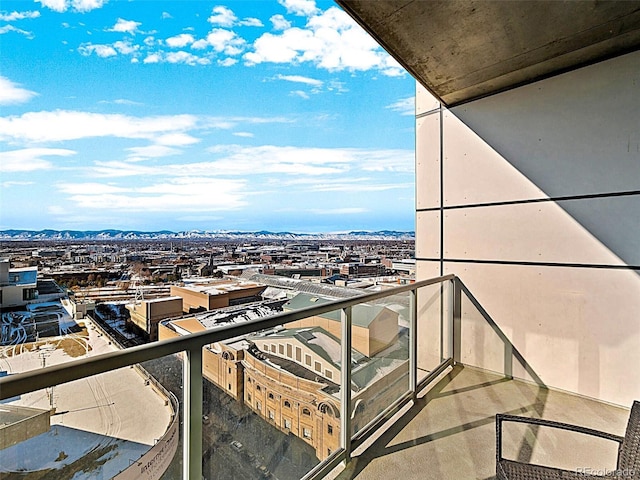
[
  {"x": 192, "y": 415},
  {"x": 456, "y": 327},
  {"x": 413, "y": 342},
  {"x": 345, "y": 383}
]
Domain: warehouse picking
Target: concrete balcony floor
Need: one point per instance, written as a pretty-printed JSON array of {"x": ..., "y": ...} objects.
[{"x": 449, "y": 433}]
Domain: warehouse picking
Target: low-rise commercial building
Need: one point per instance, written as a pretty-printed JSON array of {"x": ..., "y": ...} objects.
[
  {"x": 146, "y": 314},
  {"x": 18, "y": 286},
  {"x": 216, "y": 294}
]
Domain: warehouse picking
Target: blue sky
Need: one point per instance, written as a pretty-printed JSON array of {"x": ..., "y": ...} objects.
[{"x": 237, "y": 115}]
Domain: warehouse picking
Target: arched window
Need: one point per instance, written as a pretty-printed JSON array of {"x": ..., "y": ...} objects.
[
  {"x": 287, "y": 403},
  {"x": 270, "y": 396},
  {"x": 306, "y": 412},
  {"x": 258, "y": 388}
]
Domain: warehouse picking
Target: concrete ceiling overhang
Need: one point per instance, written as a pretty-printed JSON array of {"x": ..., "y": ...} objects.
[{"x": 461, "y": 50}]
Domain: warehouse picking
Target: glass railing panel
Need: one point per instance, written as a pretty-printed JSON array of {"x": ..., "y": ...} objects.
[
  {"x": 379, "y": 357},
  {"x": 433, "y": 310},
  {"x": 122, "y": 424},
  {"x": 271, "y": 401},
  {"x": 482, "y": 343}
]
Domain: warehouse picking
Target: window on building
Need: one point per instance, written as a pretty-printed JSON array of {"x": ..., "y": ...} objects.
[
  {"x": 28, "y": 294},
  {"x": 273, "y": 347},
  {"x": 281, "y": 349},
  {"x": 258, "y": 405},
  {"x": 317, "y": 366},
  {"x": 249, "y": 397},
  {"x": 298, "y": 354},
  {"x": 287, "y": 403},
  {"x": 328, "y": 374},
  {"x": 306, "y": 412},
  {"x": 272, "y": 415},
  {"x": 270, "y": 396},
  {"x": 229, "y": 369},
  {"x": 289, "y": 350},
  {"x": 287, "y": 423},
  {"x": 258, "y": 388},
  {"x": 229, "y": 386},
  {"x": 306, "y": 432},
  {"x": 328, "y": 452},
  {"x": 307, "y": 359},
  {"x": 265, "y": 347},
  {"x": 330, "y": 429}
]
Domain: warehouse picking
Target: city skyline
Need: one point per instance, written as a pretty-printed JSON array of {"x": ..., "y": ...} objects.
[{"x": 281, "y": 116}]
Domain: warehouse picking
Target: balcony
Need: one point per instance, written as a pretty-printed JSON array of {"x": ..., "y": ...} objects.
[{"x": 425, "y": 402}]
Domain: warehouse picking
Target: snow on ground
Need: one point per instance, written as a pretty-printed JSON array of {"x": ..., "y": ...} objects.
[
  {"x": 114, "y": 413},
  {"x": 62, "y": 446}
]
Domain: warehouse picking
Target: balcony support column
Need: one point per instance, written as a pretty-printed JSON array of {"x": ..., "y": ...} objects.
[
  {"x": 192, "y": 414},
  {"x": 456, "y": 329},
  {"x": 413, "y": 342},
  {"x": 345, "y": 384}
]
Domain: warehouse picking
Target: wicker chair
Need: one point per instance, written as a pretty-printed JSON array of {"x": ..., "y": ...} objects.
[{"x": 627, "y": 467}]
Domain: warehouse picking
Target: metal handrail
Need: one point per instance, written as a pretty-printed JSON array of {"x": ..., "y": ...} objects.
[
  {"x": 21, "y": 383},
  {"x": 192, "y": 344}
]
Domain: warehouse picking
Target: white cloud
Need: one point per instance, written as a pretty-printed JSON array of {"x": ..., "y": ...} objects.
[
  {"x": 405, "y": 106},
  {"x": 61, "y": 125},
  {"x": 125, "y": 26},
  {"x": 251, "y": 22},
  {"x": 180, "y": 41},
  {"x": 331, "y": 40},
  {"x": 87, "y": 5},
  {"x": 243, "y": 134},
  {"x": 30, "y": 159},
  {"x": 152, "y": 58},
  {"x": 299, "y": 7},
  {"x": 13, "y": 16},
  {"x": 81, "y": 6},
  {"x": 121, "y": 101},
  {"x": 240, "y": 160},
  {"x": 89, "y": 188},
  {"x": 176, "y": 139},
  {"x": 300, "y": 93},
  {"x": 279, "y": 22},
  {"x": 151, "y": 151},
  {"x": 227, "y": 62},
  {"x": 225, "y": 41},
  {"x": 103, "y": 51},
  {"x": 186, "y": 58},
  {"x": 188, "y": 194},
  {"x": 222, "y": 16},
  {"x": 301, "y": 79},
  {"x": 11, "y": 183},
  {"x": 12, "y": 93},
  {"x": 125, "y": 47},
  {"x": 166, "y": 15},
  {"x": 11, "y": 28},
  {"x": 55, "y": 5}
]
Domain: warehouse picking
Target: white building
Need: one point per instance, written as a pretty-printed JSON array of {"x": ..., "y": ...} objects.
[{"x": 17, "y": 285}]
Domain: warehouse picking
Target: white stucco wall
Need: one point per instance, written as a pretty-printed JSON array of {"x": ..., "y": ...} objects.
[{"x": 532, "y": 197}]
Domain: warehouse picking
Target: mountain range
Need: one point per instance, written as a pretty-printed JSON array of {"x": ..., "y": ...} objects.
[{"x": 198, "y": 234}]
